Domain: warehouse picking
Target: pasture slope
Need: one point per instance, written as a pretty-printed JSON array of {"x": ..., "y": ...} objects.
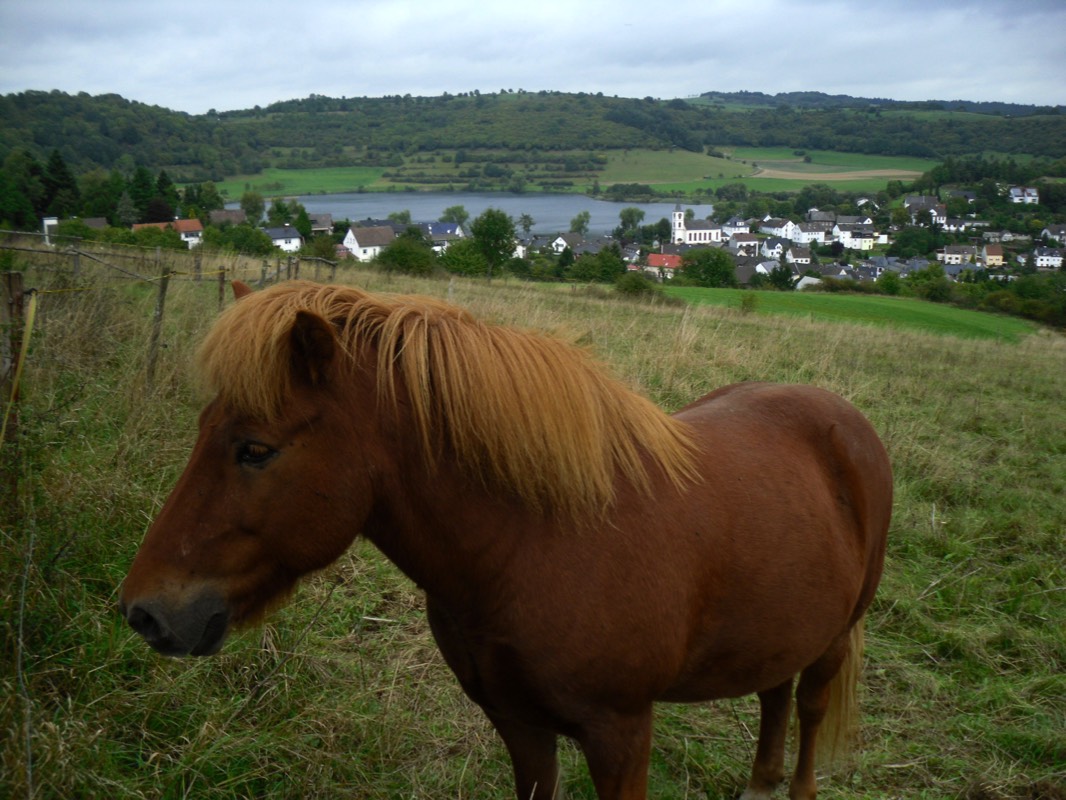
[{"x": 343, "y": 694}]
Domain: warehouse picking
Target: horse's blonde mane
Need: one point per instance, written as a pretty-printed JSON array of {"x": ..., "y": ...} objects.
[{"x": 525, "y": 411}]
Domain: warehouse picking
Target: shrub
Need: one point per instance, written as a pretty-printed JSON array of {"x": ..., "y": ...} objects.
[{"x": 636, "y": 285}]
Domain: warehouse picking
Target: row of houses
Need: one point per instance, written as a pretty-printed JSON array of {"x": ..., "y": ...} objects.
[{"x": 756, "y": 242}]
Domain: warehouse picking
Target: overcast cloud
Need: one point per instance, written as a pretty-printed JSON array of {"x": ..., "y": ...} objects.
[{"x": 193, "y": 56}]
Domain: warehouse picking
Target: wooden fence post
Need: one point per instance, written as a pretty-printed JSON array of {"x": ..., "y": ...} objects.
[
  {"x": 221, "y": 287},
  {"x": 157, "y": 319},
  {"x": 263, "y": 274},
  {"x": 11, "y": 302}
]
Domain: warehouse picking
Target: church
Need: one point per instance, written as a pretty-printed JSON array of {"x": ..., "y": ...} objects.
[{"x": 693, "y": 231}]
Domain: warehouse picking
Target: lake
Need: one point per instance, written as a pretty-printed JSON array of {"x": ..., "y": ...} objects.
[{"x": 551, "y": 213}]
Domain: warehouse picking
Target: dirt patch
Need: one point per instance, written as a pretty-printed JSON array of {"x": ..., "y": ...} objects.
[{"x": 836, "y": 176}]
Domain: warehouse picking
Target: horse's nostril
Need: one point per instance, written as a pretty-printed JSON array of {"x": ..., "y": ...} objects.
[{"x": 142, "y": 621}]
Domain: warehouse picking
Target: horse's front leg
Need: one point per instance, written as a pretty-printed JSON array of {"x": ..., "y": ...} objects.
[
  {"x": 533, "y": 757},
  {"x": 617, "y": 748}
]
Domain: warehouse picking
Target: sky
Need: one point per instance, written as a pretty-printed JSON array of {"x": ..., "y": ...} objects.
[{"x": 226, "y": 55}]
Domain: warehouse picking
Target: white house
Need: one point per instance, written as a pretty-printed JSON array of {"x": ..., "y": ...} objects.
[
  {"x": 1024, "y": 194},
  {"x": 807, "y": 232},
  {"x": 798, "y": 255},
  {"x": 774, "y": 247},
  {"x": 734, "y": 225},
  {"x": 957, "y": 254},
  {"x": 783, "y": 228},
  {"x": 1047, "y": 258},
  {"x": 366, "y": 243},
  {"x": 854, "y": 236},
  {"x": 1055, "y": 232},
  {"x": 285, "y": 238}
]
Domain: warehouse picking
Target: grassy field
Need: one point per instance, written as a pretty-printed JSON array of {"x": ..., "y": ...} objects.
[
  {"x": 675, "y": 166},
  {"x": 673, "y": 171},
  {"x": 273, "y": 182},
  {"x": 880, "y": 311},
  {"x": 344, "y": 695}
]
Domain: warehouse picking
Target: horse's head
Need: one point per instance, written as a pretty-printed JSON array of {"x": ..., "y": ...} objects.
[{"x": 263, "y": 500}]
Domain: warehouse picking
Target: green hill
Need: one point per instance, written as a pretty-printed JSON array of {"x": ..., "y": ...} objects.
[{"x": 109, "y": 131}]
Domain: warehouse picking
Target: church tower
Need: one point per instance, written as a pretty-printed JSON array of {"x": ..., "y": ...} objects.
[{"x": 677, "y": 225}]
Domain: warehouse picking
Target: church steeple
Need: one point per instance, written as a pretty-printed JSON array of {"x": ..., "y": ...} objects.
[{"x": 677, "y": 225}]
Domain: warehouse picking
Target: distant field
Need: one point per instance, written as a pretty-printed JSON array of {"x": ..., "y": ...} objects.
[
  {"x": 892, "y": 312},
  {"x": 668, "y": 171},
  {"x": 661, "y": 166},
  {"x": 272, "y": 182},
  {"x": 772, "y": 169}
]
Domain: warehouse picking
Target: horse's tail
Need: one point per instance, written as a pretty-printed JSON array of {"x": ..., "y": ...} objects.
[{"x": 839, "y": 730}]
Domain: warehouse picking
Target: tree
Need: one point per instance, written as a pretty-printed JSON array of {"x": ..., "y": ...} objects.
[
  {"x": 464, "y": 257},
  {"x": 165, "y": 188},
  {"x": 457, "y": 214},
  {"x": 580, "y": 223},
  {"x": 62, "y": 195},
  {"x": 125, "y": 210},
  {"x": 631, "y": 218},
  {"x": 280, "y": 213},
  {"x": 706, "y": 266},
  {"x": 526, "y": 223},
  {"x": 26, "y": 194},
  {"x": 302, "y": 222},
  {"x": 238, "y": 239},
  {"x": 780, "y": 277},
  {"x": 409, "y": 254},
  {"x": 494, "y": 233},
  {"x": 606, "y": 266},
  {"x": 142, "y": 190},
  {"x": 402, "y": 217},
  {"x": 889, "y": 282},
  {"x": 930, "y": 284},
  {"x": 158, "y": 210},
  {"x": 253, "y": 206}
]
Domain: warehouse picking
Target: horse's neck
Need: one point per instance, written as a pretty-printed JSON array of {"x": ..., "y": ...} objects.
[{"x": 447, "y": 533}]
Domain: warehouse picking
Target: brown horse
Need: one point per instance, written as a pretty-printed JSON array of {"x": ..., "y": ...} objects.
[{"x": 583, "y": 554}]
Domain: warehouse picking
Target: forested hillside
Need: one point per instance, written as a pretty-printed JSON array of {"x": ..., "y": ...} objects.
[{"x": 109, "y": 131}]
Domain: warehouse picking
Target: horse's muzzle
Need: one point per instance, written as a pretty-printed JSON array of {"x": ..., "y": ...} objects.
[{"x": 197, "y": 628}]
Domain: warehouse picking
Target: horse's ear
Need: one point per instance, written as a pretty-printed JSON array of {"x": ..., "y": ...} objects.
[
  {"x": 314, "y": 345},
  {"x": 240, "y": 289}
]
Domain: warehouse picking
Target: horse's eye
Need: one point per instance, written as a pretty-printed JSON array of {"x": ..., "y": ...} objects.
[{"x": 254, "y": 454}]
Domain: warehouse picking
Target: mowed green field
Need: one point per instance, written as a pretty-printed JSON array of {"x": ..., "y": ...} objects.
[{"x": 882, "y": 311}]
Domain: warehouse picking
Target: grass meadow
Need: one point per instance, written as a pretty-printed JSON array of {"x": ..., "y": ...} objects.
[
  {"x": 343, "y": 694},
  {"x": 878, "y": 311},
  {"x": 275, "y": 182}
]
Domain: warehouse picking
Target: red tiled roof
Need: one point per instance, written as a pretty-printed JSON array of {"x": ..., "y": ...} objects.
[{"x": 664, "y": 261}]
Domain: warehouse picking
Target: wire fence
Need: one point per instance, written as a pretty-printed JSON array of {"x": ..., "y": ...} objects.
[{"x": 35, "y": 266}]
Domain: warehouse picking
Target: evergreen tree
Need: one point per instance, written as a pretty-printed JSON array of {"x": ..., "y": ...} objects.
[
  {"x": 141, "y": 190},
  {"x": 61, "y": 190}
]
